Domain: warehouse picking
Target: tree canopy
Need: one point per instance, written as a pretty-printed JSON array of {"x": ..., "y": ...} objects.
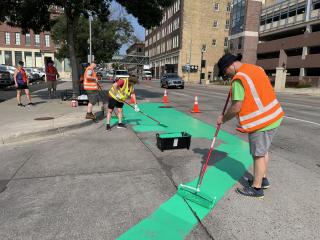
[{"x": 108, "y": 37}]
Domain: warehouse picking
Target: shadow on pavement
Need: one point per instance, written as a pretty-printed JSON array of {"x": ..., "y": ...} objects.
[
  {"x": 147, "y": 94},
  {"x": 234, "y": 168}
]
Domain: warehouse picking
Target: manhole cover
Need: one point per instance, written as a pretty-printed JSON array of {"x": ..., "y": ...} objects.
[
  {"x": 43, "y": 118},
  {"x": 165, "y": 107}
]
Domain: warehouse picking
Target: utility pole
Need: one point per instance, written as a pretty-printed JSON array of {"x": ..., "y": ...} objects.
[
  {"x": 189, "y": 59},
  {"x": 90, "y": 38}
]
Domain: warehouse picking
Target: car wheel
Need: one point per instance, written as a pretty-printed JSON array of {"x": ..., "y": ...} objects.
[
  {"x": 182, "y": 87},
  {"x": 42, "y": 78}
]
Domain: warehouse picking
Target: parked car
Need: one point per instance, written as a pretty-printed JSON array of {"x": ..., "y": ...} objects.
[
  {"x": 120, "y": 74},
  {"x": 10, "y": 69},
  {"x": 147, "y": 75},
  {"x": 171, "y": 80},
  {"x": 40, "y": 72},
  {"x": 32, "y": 75},
  {"x": 5, "y": 78}
]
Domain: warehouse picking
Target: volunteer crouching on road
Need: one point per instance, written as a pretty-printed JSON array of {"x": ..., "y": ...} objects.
[
  {"x": 259, "y": 112},
  {"x": 119, "y": 92},
  {"x": 92, "y": 87}
]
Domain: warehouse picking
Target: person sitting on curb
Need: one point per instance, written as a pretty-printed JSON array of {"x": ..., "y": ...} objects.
[
  {"x": 259, "y": 112},
  {"x": 92, "y": 87},
  {"x": 119, "y": 92},
  {"x": 52, "y": 76},
  {"x": 22, "y": 83}
]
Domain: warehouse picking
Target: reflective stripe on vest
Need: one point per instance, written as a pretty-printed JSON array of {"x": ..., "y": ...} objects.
[
  {"x": 90, "y": 82},
  {"x": 124, "y": 92},
  {"x": 258, "y": 116}
]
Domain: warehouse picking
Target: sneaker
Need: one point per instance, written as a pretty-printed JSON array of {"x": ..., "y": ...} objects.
[
  {"x": 90, "y": 116},
  {"x": 108, "y": 128},
  {"x": 265, "y": 183},
  {"x": 121, "y": 125},
  {"x": 20, "y": 105},
  {"x": 251, "y": 192}
]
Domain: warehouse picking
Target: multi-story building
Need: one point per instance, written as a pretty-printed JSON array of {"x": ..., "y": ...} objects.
[
  {"x": 190, "y": 39},
  {"x": 283, "y": 38},
  {"x": 31, "y": 48}
]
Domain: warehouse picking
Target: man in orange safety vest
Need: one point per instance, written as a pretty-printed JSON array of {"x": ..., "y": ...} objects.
[{"x": 259, "y": 112}]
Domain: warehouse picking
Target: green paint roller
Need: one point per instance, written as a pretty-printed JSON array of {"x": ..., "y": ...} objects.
[{"x": 194, "y": 194}]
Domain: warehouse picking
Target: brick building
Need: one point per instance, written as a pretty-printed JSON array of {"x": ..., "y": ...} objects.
[
  {"x": 33, "y": 49},
  {"x": 190, "y": 31}
]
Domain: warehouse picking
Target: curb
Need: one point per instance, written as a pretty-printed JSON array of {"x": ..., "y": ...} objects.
[{"x": 20, "y": 137}]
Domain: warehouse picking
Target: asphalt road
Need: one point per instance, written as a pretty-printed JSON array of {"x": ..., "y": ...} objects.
[
  {"x": 10, "y": 92},
  {"x": 89, "y": 184}
]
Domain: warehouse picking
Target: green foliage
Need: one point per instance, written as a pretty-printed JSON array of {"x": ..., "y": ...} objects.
[
  {"x": 107, "y": 37},
  {"x": 149, "y": 13}
]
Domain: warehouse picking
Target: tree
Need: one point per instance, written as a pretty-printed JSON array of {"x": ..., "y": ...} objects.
[
  {"x": 108, "y": 37},
  {"x": 35, "y": 15}
]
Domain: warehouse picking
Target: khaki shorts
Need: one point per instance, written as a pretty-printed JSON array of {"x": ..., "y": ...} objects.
[{"x": 52, "y": 85}]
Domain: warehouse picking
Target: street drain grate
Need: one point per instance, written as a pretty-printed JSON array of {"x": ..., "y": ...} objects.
[
  {"x": 43, "y": 118},
  {"x": 165, "y": 107}
]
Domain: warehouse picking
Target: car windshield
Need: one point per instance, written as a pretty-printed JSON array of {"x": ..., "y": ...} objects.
[
  {"x": 172, "y": 76},
  {"x": 121, "y": 72}
]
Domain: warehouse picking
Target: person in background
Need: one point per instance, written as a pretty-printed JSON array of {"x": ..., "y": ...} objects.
[
  {"x": 52, "y": 77},
  {"x": 119, "y": 92},
  {"x": 21, "y": 83}
]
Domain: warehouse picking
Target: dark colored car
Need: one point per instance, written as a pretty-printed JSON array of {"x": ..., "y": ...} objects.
[
  {"x": 171, "y": 80},
  {"x": 5, "y": 79}
]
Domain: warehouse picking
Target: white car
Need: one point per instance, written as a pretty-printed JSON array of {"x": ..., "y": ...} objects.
[
  {"x": 40, "y": 72},
  {"x": 120, "y": 74}
]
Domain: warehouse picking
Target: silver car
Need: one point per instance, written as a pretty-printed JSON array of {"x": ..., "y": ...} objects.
[{"x": 171, "y": 80}]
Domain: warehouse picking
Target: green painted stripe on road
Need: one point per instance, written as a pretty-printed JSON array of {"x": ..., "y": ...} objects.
[{"x": 173, "y": 219}]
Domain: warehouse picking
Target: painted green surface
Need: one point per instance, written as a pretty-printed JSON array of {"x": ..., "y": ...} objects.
[
  {"x": 170, "y": 135},
  {"x": 173, "y": 219}
]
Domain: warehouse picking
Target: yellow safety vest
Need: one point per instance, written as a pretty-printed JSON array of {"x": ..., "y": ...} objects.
[{"x": 123, "y": 93}]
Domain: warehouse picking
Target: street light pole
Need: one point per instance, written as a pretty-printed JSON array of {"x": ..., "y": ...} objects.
[{"x": 90, "y": 38}]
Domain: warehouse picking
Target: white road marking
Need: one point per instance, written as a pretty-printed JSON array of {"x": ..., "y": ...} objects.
[{"x": 301, "y": 120}]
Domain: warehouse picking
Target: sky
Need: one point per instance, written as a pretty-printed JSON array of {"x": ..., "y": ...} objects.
[{"x": 118, "y": 11}]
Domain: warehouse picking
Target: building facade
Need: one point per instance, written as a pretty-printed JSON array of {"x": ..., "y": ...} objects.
[
  {"x": 31, "y": 48},
  {"x": 282, "y": 38},
  {"x": 191, "y": 38}
]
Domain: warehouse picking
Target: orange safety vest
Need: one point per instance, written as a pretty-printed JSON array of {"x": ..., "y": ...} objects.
[
  {"x": 260, "y": 107},
  {"x": 90, "y": 82}
]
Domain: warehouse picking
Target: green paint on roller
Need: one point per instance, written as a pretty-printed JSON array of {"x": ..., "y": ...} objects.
[{"x": 173, "y": 219}]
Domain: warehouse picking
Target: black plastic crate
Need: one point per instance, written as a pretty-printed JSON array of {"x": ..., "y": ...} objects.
[{"x": 176, "y": 140}]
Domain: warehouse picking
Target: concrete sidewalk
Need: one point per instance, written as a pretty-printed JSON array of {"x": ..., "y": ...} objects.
[{"x": 19, "y": 124}]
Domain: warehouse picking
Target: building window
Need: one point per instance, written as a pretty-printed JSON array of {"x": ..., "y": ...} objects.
[
  {"x": 28, "y": 39},
  {"x": 227, "y": 24},
  {"x": 47, "y": 40},
  {"x": 37, "y": 39},
  {"x": 215, "y": 23},
  {"x": 7, "y": 38},
  {"x": 8, "y": 58},
  {"x": 18, "y": 39},
  {"x": 18, "y": 56},
  {"x": 216, "y": 6},
  {"x": 214, "y": 42},
  {"x": 226, "y": 42},
  {"x": 228, "y": 8}
]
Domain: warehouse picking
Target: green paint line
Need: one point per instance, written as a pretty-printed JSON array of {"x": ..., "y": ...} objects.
[{"x": 173, "y": 219}]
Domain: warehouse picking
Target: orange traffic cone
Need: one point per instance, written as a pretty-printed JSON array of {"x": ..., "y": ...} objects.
[
  {"x": 165, "y": 97},
  {"x": 132, "y": 99},
  {"x": 195, "y": 106}
]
